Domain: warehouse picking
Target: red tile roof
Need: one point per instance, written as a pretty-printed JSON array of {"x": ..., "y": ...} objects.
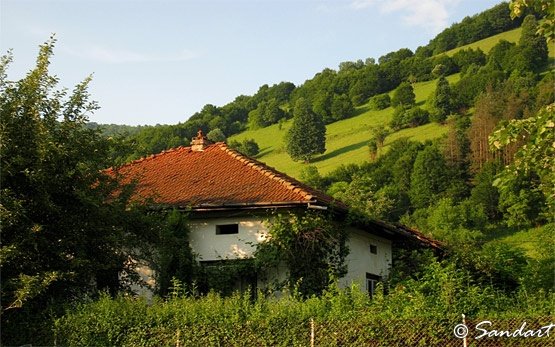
[{"x": 215, "y": 177}]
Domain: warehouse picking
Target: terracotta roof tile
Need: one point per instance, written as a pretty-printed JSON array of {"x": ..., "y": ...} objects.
[{"x": 216, "y": 176}]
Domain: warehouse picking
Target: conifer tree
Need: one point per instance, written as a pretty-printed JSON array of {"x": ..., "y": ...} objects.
[
  {"x": 307, "y": 136},
  {"x": 443, "y": 104}
]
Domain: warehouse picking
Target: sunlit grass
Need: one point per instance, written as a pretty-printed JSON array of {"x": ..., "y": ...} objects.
[
  {"x": 530, "y": 239},
  {"x": 488, "y": 43}
]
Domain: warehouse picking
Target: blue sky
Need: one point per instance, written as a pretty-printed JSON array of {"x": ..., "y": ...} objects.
[{"x": 161, "y": 61}]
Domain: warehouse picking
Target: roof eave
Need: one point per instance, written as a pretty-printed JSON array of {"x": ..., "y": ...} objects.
[{"x": 205, "y": 207}]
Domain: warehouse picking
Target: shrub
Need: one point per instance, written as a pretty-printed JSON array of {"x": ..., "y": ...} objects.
[
  {"x": 409, "y": 118},
  {"x": 248, "y": 147},
  {"x": 380, "y": 102}
]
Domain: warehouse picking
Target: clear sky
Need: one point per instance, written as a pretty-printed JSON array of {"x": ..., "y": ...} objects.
[{"x": 161, "y": 61}]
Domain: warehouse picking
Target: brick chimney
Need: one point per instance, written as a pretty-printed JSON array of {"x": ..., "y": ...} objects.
[{"x": 200, "y": 142}]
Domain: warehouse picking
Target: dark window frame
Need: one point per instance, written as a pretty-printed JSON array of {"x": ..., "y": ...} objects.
[
  {"x": 371, "y": 282},
  {"x": 227, "y": 229}
]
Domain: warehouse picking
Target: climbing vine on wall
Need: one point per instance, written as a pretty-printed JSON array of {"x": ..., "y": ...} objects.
[{"x": 311, "y": 245}]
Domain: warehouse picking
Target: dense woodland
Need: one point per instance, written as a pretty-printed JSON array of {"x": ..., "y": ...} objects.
[{"x": 491, "y": 175}]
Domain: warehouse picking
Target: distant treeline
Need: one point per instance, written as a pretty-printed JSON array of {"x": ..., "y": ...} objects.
[{"x": 488, "y": 23}]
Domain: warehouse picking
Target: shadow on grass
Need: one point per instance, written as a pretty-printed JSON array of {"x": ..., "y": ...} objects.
[
  {"x": 341, "y": 150},
  {"x": 360, "y": 110},
  {"x": 263, "y": 152},
  {"x": 498, "y": 231}
]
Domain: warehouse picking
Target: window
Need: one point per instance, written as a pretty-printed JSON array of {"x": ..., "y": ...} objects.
[
  {"x": 373, "y": 249},
  {"x": 227, "y": 229},
  {"x": 371, "y": 282}
]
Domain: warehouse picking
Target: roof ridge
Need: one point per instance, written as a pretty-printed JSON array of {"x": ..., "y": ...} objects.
[
  {"x": 284, "y": 179},
  {"x": 148, "y": 157}
]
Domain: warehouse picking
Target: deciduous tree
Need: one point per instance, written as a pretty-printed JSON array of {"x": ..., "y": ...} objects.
[
  {"x": 429, "y": 177},
  {"x": 65, "y": 230},
  {"x": 216, "y": 135}
]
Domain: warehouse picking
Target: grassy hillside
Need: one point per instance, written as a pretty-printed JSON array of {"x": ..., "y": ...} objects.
[
  {"x": 346, "y": 139},
  {"x": 530, "y": 239},
  {"x": 487, "y": 44}
]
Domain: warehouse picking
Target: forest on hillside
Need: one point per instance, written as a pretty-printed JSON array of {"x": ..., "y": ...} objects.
[{"x": 333, "y": 94}]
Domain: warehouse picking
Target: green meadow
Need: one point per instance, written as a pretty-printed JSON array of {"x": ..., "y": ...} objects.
[
  {"x": 487, "y": 44},
  {"x": 530, "y": 240}
]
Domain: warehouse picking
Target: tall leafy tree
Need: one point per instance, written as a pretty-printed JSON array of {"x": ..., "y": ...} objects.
[
  {"x": 307, "y": 135},
  {"x": 341, "y": 107},
  {"x": 273, "y": 113},
  {"x": 429, "y": 177},
  {"x": 484, "y": 193},
  {"x": 535, "y": 154},
  {"x": 64, "y": 230},
  {"x": 321, "y": 105}
]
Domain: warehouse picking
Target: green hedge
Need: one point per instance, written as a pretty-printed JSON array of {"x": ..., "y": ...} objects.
[{"x": 342, "y": 317}]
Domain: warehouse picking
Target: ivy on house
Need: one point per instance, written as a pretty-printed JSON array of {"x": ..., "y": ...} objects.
[{"x": 311, "y": 245}]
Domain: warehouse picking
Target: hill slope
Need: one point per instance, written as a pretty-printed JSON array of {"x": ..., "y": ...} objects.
[
  {"x": 487, "y": 44},
  {"x": 347, "y": 139}
]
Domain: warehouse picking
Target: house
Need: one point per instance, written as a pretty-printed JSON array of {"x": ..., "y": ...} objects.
[{"x": 229, "y": 196}]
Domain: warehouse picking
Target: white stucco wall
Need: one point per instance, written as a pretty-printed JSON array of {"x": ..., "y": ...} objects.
[
  {"x": 361, "y": 261},
  {"x": 209, "y": 246}
]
